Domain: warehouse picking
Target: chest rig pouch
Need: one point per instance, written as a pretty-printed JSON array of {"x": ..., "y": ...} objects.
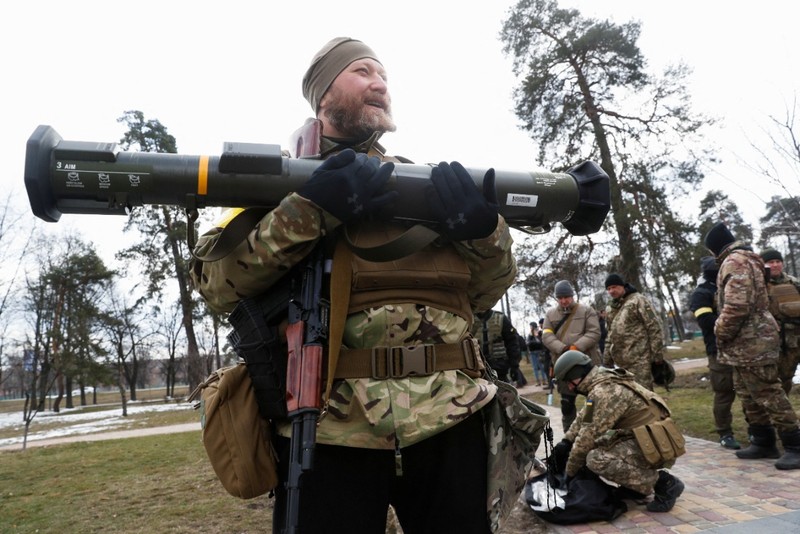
[
  {"x": 436, "y": 276},
  {"x": 784, "y": 301}
]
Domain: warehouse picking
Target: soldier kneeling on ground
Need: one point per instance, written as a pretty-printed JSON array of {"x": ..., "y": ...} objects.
[{"x": 608, "y": 434}]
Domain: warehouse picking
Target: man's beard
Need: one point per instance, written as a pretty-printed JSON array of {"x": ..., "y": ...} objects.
[{"x": 357, "y": 120}]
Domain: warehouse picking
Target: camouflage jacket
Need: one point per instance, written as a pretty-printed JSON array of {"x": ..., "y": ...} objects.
[
  {"x": 583, "y": 331},
  {"x": 366, "y": 412},
  {"x": 608, "y": 402},
  {"x": 746, "y": 331},
  {"x": 635, "y": 333}
]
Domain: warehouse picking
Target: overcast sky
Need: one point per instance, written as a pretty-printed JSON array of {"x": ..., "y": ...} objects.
[{"x": 230, "y": 71}]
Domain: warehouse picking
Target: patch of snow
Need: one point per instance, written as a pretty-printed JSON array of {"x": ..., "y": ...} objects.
[{"x": 76, "y": 422}]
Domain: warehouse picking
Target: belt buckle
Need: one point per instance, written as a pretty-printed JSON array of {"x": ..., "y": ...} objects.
[
  {"x": 400, "y": 362},
  {"x": 417, "y": 360}
]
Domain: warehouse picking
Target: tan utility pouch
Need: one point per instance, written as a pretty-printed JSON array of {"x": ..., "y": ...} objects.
[
  {"x": 787, "y": 299},
  {"x": 790, "y": 309},
  {"x": 235, "y": 436},
  {"x": 660, "y": 441}
]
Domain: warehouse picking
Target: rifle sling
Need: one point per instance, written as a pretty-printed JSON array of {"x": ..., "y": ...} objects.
[
  {"x": 341, "y": 280},
  {"x": 566, "y": 319}
]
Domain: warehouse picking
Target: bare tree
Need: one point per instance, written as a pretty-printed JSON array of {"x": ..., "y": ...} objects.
[
  {"x": 169, "y": 327},
  {"x": 124, "y": 324},
  {"x": 779, "y": 162},
  {"x": 13, "y": 248}
]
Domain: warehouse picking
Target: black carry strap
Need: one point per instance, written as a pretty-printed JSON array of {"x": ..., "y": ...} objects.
[
  {"x": 562, "y": 321},
  {"x": 412, "y": 240}
]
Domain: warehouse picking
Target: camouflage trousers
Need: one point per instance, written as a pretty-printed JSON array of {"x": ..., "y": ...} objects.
[
  {"x": 642, "y": 371},
  {"x": 721, "y": 377},
  {"x": 763, "y": 400},
  {"x": 787, "y": 366},
  {"x": 622, "y": 462}
]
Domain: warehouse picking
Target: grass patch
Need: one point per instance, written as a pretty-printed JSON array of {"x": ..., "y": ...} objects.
[{"x": 149, "y": 484}]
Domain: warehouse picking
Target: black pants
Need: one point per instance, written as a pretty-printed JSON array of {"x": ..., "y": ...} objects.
[
  {"x": 568, "y": 410},
  {"x": 442, "y": 488}
]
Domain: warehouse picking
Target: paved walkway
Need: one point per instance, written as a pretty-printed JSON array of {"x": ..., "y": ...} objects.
[{"x": 723, "y": 493}]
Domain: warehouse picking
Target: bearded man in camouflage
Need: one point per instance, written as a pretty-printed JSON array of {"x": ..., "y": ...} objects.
[
  {"x": 635, "y": 336},
  {"x": 415, "y": 441},
  {"x": 602, "y": 438},
  {"x": 784, "y": 304},
  {"x": 747, "y": 339}
]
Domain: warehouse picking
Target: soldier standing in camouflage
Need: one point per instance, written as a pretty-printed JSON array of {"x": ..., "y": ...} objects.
[
  {"x": 704, "y": 306},
  {"x": 570, "y": 326},
  {"x": 413, "y": 441},
  {"x": 602, "y": 437},
  {"x": 635, "y": 336},
  {"x": 499, "y": 343},
  {"x": 748, "y": 339},
  {"x": 784, "y": 304}
]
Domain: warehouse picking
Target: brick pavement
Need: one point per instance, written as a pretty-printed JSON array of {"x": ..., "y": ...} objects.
[{"x": 723, "y": 495}]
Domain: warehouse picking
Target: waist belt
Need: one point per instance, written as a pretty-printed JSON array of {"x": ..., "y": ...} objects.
[{"x": 397, "y": 362}]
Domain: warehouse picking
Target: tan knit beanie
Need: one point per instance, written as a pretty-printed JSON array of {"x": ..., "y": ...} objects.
[{"x": 332, "y": 59}]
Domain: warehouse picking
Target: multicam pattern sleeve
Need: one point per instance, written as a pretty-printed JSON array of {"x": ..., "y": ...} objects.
[
  {"x": 283, "y": 237},
  {"x": 747, "y": 333},
  {"x": 492, "y": 266},
  {"x": 736, "y": 296}
]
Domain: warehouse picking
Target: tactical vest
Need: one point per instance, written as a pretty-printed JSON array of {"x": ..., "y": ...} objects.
[
  {"x": 784, "y": 302},
  {"x": 656, "y": 409},
  {"x": 436, "y": 276},
  {"x": 494, "y": 332}
]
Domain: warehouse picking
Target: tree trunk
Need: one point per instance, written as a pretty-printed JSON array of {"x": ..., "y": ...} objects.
[
  {"x": 121, "y": 386},
  {"x": 628, "y": 258},
  {"x": 194, "y": 366}
]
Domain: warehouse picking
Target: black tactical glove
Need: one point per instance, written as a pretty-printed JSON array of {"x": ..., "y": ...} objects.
[
  {"x": 457, "y": 203},
  {"x": 561, "y": 455},
  {"x": 348, "y": 185}
]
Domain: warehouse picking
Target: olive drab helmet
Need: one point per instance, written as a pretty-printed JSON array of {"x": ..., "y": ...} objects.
[{"x": 567, "y": 362}]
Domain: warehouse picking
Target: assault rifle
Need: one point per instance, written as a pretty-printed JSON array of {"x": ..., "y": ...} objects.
[
  {"x": 306, "y": 336},
  {"x": 86, "y": 177}
]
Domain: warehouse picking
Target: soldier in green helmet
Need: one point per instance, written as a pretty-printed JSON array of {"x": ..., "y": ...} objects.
[{"x": 604, "y": 437}]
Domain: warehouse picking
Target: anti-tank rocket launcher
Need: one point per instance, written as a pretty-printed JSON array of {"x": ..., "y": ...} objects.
[{"x": 98, "y": 178}]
